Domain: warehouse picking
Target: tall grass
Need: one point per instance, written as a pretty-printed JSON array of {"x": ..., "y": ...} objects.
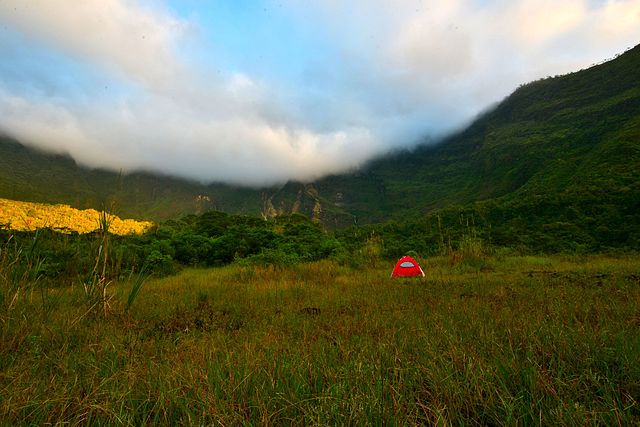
[
  {"x": 136, "y": 281},
  {"x": 96, "y": 283},
  {"x": 20, "y": 270},
  {"x": 545, "y": 341}
]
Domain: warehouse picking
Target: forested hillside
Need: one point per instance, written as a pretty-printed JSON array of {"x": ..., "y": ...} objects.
[
  {"x": 569, "y": 135},
  {"x": 562, "y": 150}
]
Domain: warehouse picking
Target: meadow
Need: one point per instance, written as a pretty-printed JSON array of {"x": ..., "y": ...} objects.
[{"x": 501, "y": 340}]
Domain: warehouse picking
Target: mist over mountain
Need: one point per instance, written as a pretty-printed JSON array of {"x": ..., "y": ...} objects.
[{"x": 563, "y": 150}]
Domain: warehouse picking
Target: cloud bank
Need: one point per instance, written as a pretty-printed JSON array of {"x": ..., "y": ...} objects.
[{"x": 138, "y": 86}]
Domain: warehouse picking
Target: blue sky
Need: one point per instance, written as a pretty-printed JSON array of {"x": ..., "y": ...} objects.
[
  {"x": 255, "y": 37},
  {"x": 260, "y": 92}
]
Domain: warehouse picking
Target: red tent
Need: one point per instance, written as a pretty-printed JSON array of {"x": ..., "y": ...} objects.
[{"x": 407, "y": 267}]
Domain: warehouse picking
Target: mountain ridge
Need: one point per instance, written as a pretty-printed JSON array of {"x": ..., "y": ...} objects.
[{"x": 535, "y": 141}]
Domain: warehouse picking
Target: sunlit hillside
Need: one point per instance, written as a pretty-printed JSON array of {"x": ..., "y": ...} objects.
[{"x": 26, "y": 216}]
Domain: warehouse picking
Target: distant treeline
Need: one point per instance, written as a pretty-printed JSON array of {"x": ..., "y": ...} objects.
[
  {"x": 544, "y": 225},
  {"x": 211, "y": 239}
]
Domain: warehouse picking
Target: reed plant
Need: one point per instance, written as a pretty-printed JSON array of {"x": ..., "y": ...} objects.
[{"x": 97, "y": 282}]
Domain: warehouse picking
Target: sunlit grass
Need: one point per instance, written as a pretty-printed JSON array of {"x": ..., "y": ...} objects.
[{"x": 532, "y": 340}]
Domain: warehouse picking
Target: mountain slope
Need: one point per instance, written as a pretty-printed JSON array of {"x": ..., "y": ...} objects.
[
  {"x": 539, "y": 139},
  {"x": 31, "y": 175},
  {"x": 573, "y": 139}
]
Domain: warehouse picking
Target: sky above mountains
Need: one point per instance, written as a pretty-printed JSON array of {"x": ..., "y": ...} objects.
[{"x": 263, "y": 91}]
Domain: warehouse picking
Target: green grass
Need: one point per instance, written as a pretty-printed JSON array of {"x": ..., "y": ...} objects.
[{"x": 527, "y": 340}]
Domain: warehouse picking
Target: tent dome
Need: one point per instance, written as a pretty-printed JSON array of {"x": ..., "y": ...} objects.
[{"x": 407, "y": 267}]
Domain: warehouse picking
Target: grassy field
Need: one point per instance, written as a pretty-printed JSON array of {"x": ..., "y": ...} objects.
[{"x": 509, "y": 340}]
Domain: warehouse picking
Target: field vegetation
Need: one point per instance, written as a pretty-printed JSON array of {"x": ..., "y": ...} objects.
[
  {"x": 530, "y": 340},
  {"x": 237, "y": 320}
]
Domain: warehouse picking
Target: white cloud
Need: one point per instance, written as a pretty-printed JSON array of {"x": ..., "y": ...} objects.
[
  {"x": 444, "y": 61},
  {"x": 536, "y": 21},
  {"x": 137, "y": 41},
  {"x": 617, "y": 21},
  {"x": 165, "y": 138},
  {"x": 404, "y": 69}
]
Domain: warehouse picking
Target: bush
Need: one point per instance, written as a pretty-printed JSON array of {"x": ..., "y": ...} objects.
[
  {"x": 268, "y": 256},
  {"x": 159, "y": 264}
]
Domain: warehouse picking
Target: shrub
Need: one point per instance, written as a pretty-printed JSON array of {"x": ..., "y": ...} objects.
[{"x": 159, "y": 264}]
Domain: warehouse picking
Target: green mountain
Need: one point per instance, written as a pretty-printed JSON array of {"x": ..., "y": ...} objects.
[
  {"x": 27, "y": 174},
  {"x": 557, "y": 135},
  {"x": 31, "y": 175},
  {"x": 561, "y": 143}
]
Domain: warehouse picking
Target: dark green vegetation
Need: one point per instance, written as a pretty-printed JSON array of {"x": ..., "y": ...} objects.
[
  {"x": 560, "y": 154},
  {"x": 211, "y": 239},
  {"x": 527, "y": 340},
  {"x": 214, "y": 239}
]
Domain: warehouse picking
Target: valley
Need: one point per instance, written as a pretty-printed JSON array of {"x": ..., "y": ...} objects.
[
  {"x": 570, "y": 137},
  {"x": 136, "y": 297}
]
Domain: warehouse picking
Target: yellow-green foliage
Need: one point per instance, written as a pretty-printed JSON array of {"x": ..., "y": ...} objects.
[{"x": 27, "y": 216}]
